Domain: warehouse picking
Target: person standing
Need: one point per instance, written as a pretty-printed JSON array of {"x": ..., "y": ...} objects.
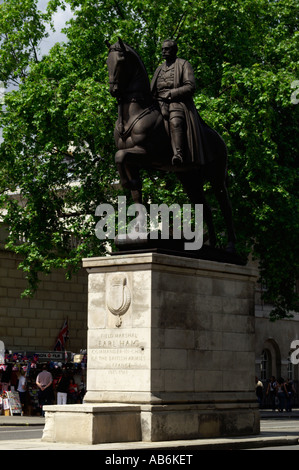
[
  {"x": 22, "y": 389},
  {"x": 45, "y": 393},
  {"x": 290, "y": 390},
  {"x": 6, "y": 378},
  {"x": 281, "y": 393},
  {"x": 62, "y": 388},
  {"x": 73, "y": 391},
  {"x": 259, "y": 390},
  {"x": 271, "y": 390}
]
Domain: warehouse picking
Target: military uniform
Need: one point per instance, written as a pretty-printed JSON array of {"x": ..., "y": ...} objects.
[{"x": 181, "y": 117}]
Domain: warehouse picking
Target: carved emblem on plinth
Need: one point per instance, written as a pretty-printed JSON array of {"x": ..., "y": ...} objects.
[{"x": 118, "y": 296}]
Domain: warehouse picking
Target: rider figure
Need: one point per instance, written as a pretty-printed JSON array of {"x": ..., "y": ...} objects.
[{"x": 173, "y": 85}]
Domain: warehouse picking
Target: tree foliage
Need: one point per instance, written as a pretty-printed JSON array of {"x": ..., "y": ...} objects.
[{"x": 57, "y": 150}]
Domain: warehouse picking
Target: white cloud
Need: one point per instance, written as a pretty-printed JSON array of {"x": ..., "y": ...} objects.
[{"x": 60, "y": 19}]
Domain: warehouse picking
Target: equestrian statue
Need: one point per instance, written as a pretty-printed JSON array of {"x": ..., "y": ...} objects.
[{"x": 158, "y": 127}]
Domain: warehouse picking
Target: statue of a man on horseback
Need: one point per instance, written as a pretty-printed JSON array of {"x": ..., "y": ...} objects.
[
  {"x": 173, "y": 86},
  {"x": 158, "y": 127}
]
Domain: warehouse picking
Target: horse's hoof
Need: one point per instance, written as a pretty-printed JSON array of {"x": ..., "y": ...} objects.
[{"x": 177, "y": 160}]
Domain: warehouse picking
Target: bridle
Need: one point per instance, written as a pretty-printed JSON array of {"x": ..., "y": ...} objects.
[{"x": 129, "y": 97}]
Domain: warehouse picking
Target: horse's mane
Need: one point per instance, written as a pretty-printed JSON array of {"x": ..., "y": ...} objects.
[
  {"x": 118, "y": 46},
  {"x": 140, "y": 61}
]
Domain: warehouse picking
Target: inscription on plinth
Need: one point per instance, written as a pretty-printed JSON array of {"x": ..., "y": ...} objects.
[{"x": 119, "y": 350}]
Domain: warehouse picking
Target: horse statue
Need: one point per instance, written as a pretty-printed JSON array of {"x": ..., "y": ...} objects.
[{"x": 143, "y": 142}]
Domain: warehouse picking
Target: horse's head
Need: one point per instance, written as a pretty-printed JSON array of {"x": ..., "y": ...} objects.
[{"x": 127, "y": 74}]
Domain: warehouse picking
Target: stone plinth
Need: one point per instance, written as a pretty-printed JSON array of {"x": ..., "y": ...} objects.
[{"x": 171, "y": 343}]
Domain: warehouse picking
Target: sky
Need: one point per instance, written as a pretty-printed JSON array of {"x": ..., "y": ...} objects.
[{"x": 60, "y": 18}]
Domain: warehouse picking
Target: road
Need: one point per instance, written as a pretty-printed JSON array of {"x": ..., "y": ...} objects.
[
  {"x": 281, "y": 427},
  {"x": 20, "y": 432}
]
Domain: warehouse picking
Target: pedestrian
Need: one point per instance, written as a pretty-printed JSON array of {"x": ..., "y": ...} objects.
[
  {"x": 62, "y": 388},
  {"x": 14, "y": 378},
  {"x": 290, "y": 391},
  {"x": 259, "y": 391},
  {"x": 271, "y": 391},
  {"x": 6, "y": 378},
  {"x": 73, "y": 391},
  {"x": 82, "y": 390},
  {"x": 281, "y": 393},
  {"x": 44, "y": 382},
  {"x": 22, "y": 388}
]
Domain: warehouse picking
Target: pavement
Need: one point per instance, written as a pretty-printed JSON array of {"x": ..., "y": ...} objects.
[{"x": 271, "y": 435}]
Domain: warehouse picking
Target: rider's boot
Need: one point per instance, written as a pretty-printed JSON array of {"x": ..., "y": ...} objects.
[{"x": 177, "y": 141}]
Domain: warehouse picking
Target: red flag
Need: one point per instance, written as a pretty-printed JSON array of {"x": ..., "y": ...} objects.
[{"x": 62, "y": 337}]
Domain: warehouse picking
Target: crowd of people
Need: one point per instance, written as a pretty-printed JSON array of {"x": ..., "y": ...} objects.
[
  {"x": 44, "y": 385},
  {"x": 279, "y": 393},
  {"x": 63, "y": 385}
]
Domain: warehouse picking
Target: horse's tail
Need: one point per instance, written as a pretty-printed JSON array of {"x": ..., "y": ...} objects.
[
  {"x": 224, "y": 153},
  {"x": 227, "y": 177}
]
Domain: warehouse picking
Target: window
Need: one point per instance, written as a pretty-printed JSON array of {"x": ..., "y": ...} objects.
[
  {"x": 290, "y": 371},
  {"x": 265, "y": 364}
]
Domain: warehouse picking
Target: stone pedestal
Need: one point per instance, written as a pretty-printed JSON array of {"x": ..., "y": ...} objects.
[{"x": 170, "y": 352}]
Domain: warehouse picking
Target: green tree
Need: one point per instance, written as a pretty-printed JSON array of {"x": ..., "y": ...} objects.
[{"x": 58, "y": 148}]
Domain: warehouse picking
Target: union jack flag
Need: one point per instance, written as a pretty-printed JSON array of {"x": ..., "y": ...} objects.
[{"x": 62, "y": 337}]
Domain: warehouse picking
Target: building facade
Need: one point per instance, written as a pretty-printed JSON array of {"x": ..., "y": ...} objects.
[{"x": 33, "y": 324}]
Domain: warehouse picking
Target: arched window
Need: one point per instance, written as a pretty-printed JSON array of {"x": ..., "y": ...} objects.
[
  {"x": 271, "y": 359},
  {"x": 266, "y": 364},
  {"x": 290, "y": 368}
]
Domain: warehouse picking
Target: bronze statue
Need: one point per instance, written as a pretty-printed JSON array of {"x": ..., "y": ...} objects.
[
  {"x": 146, "y": 120},
  {"x": 173, "y": 85}
]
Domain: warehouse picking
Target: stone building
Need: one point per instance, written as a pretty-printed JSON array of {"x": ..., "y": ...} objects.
[
  {"x": 33, "y": 324},
  {"x": 273, "y": 346}
]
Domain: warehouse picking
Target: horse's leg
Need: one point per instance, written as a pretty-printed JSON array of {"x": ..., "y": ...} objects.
[
  {"x": 193, "y": 185},
  {"x": 220, "y": 190},
  {"x": 129, "y": 173},
  {"x": 216, "y": 173},
  {"x": 130, "y": 179}
]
